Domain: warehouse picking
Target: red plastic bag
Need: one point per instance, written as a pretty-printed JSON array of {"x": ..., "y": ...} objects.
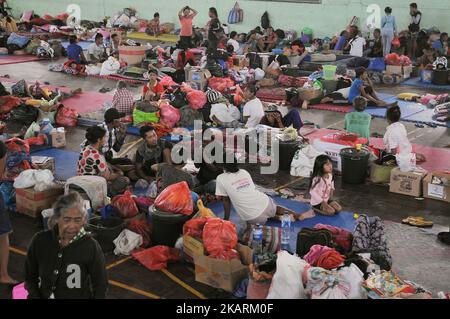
[
  {"x": 125, "y": 205},
  {"x": 176, "y": 199},
  {"x": 156, "y": 258},
  {"x": 169, "y": 114},
  {"x": 167, "y": 81},
  {"x": 7, "y": 103},
  {"x": 194, "y": 227},
  {"x": 220, "y": 84},
  {"x": 143, "y": 228},
  {"x": 219, "y": 238},
  {"x": 396, "y": 43},
  {"x": 197, "y": 99},
  {"x": 66, "y": 117}
]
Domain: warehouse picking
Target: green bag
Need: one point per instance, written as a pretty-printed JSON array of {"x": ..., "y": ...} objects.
[
  {"x": 142, "y": 117},
  {"x": 380, "y": 174}
]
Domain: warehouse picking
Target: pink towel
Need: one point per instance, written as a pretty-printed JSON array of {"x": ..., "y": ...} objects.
[{"x": 314, "y": 254}]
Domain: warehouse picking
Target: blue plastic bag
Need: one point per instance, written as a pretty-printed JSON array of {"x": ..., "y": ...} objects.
[
  {"x": 108, "y": 211},
  {"x": 377, "y": 65}
]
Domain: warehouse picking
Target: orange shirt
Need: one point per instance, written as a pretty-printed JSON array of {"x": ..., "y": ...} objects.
[
  {"x": 157, "y": 89},
  {"x": 186, "y": 26}
]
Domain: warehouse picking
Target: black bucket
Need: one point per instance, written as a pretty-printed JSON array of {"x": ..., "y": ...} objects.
[
  {"x": 354, "y": 165},
  {"x": 287, "y": 151},
  {"x": 105, "y": 231},
  {"x": 440, "y": 77},
  {"x": 167, "y": 227}
]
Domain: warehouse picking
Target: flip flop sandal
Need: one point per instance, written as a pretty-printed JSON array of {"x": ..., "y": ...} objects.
[
  {"x": 417, "y": 222},
  {"x": 420, "y": 125}
]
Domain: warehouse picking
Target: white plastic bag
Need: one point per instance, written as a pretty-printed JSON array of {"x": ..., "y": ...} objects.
[
  {"x": 110, "y": 66},
  {"x": 41, "y": 180},
  {"x": 92, "y": 69},
  {"x": 259, "y": 74},
  {"x": 406, "y": 161},
  {"x": 303, "y": 162},
  {"x": 287, "y": 282},
  {"x": 355, "y": 278},
  {"x": 126, "y": 242}
]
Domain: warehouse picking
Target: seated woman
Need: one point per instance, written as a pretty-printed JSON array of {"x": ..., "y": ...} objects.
[
  {"x": 235, "y": 186},
  {"x": 153, "y": 90},
  {"x": 292, "y": 118},
  {"x": 223, "y": 113},
  {"x": 92, "y": 162},
  {"x": 152, "y": 151},
  {"x": 428, "y": 58},
  {"x": 363, "y": 86},
  {"x": 66, "y": 247}
]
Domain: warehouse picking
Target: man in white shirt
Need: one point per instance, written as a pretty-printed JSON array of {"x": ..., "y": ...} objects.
[
  {"x": 357, "y": 46},
  {"x": 233, "y": 41},
  {"x": 96, "y": 51},
  {"x": 253, "y": 110},
  {"x": 235, "y": 186}
]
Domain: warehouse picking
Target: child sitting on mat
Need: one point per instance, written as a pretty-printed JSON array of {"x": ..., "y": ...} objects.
[
  {"x": 322, "y": 187},
  {"x": 396, "y": 137},
  {"x": 359, "y": 121}
]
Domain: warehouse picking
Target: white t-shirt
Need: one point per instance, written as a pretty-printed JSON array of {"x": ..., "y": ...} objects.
[
  {"x": 224, "y": 113},
  {"x": 396, "y": 137},
  {"x": 357, "y": 46},
  {"x": 239, "y": 187},
  {"x": 96, "y": 50},
  {"x": 255, "y": 111},
  {"x": 235, "y": 44}
]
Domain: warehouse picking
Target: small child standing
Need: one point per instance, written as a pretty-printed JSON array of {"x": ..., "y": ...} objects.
[
  {"x": 359, "y": 122},
  {"x": 322, "y": 187}
]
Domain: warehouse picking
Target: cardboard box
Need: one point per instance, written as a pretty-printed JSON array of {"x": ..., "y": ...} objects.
[
  {"x": 197, "y": 76},
  {"x": 58, "y": 138},
  {"x": 44, "y": 162},
  {"x": 32, "y": 203},
  {"x": 406, "y": 183},
  {"x": 404, "y": 71},
  {"x": 192, "y": 246},
  {"x": 435, "y": 191},
  {"x": 223, "y": 274}
]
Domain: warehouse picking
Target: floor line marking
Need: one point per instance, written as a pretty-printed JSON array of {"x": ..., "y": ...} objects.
[
  {"x": 288, "y": 184},
  {"x": 117, "y": 263},
  {"x": 17, "y": 251},
  {"x": 183, "y": 284},
  {"x": 331, "y": 125},
  {"x": 132, "y": 289}
]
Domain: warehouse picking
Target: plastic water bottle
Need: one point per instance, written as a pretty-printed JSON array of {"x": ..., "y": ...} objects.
[
  {"x": 285, "y": 231},
  {"x": 257, "y": 242}
]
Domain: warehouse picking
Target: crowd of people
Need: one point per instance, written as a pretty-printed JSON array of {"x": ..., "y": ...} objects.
[{"x": 67, "y": 239}]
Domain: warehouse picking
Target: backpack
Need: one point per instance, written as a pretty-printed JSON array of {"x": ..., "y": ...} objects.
[
  {"x": 308, "y": 237},
  {"x": 255, "y": 60},
  {"x": 188, "y": 116},
  {"x": 178, "y": 99},
  {"x": 265, "y": 22},
  {"x": 341, "y": 237},
  {"x": 369, "y": 236},
  {"x": 236, "y": 15},
  {"x": 24, "y": 114}
]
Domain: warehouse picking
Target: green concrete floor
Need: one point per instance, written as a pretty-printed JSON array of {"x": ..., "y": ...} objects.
[{"x": 408, "y": 245}]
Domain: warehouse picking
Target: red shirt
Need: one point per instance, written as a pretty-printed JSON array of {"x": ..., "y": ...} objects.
[{"x": 157, "y": 89}]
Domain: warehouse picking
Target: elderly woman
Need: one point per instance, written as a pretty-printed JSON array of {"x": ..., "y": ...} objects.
[
  {"x": 92, "y": 162},
  {"x": 65, "y": 262}
]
